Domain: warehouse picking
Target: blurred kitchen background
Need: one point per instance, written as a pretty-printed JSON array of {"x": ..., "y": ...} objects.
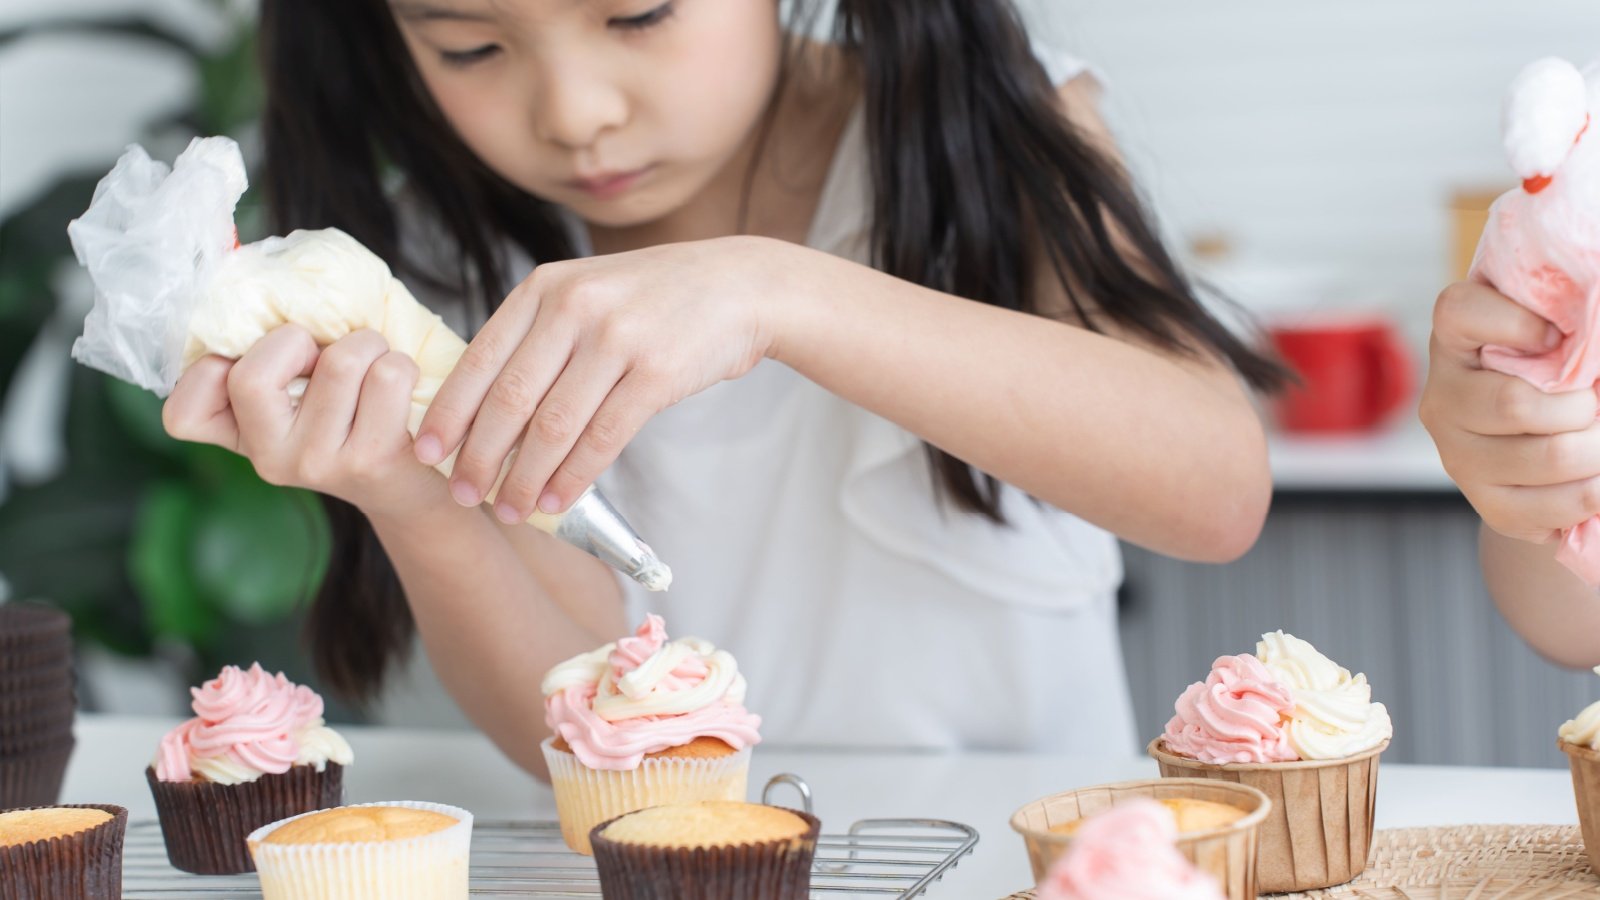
[{"x": 1326, "y": 164}]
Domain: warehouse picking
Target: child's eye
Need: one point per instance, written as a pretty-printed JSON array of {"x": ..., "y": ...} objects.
[
  {"x": 465, "y": 58},
  {"x": 638, "y": 23}
]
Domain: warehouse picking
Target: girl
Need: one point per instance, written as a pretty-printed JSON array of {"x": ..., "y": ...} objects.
[
  {"x": 1529, "y": 463},
  {"x": 887, "y": 348}
]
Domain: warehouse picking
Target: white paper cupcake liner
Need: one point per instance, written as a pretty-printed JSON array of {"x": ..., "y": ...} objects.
[
  {"x": 586, "y": 797},
  {"x": 430, "y": 867}
]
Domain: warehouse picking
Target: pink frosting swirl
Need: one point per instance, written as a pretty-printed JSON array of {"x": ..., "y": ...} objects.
[
  {"x": 1237, "y": 715},
  {"x": 622, "y": 743},
  {"x": 1126, "y": 853},
  {"x": 248, "y": 715}
]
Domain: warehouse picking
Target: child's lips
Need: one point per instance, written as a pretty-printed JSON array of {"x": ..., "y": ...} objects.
[{"x": 606, "y": 185}]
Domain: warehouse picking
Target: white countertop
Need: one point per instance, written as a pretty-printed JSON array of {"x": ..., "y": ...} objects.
[
  {"x": 978, "y": 789},
  {"x": 1399, "y": 458}
]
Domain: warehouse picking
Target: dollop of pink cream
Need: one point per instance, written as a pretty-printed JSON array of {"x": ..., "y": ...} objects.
[
  {"x": 248, "y": 715},
  {"x": 623, "y": 744},
  {"x": 1237, "y": 715},
  {"x": 1126, "y": 853}
]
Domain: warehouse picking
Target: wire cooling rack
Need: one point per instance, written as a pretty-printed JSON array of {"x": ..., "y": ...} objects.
[{"x": 895, "y": 858}]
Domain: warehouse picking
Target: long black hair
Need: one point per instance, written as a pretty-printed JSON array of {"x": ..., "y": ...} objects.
[{"x": 977, "y": 181}]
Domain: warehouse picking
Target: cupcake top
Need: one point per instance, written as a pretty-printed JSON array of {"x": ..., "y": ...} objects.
[
  {"x": 360, "y": 824},
  {"x": 1287, "y": 702},
  {"x": 1584, "y": 731},
  {"x": 644, "y": 694},
  {"x": 711, "y": 823},
  {"x": 1127, "y": 853},
  {"x": 24, "y": 826},
  {"x": 248, "y": 724},
  {"x": 1188, "y": 813}
]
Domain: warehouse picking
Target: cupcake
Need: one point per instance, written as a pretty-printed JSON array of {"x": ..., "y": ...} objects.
[
  {"x": 36, "y": 703},
  {"x": 1304, "y": 731},
  {"x": 62, "y": 851},
  {"x": 1127, "y": 853},
  {"x": 643, "y": 722},
  {"x": 1218, "y": 825},
  {"x": 710, "y": 850},
  {"x": 256, "y": 751},
  {"x": 400, "y": 850},
  {"x": 1580, "y": 740}
]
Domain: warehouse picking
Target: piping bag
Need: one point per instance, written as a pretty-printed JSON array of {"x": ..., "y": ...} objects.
[{"x": 172, "y": 285}]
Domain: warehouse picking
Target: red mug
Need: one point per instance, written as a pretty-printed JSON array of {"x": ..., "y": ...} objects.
[{"x": 1353, "y": 374}]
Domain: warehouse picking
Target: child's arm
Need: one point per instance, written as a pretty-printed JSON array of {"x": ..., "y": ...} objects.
[
  {"x": 1529, "y": 463},
  {"x": 495, "y": 607}
]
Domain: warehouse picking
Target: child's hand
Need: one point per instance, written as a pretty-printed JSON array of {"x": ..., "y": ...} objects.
[
  {"x": 584, "y": 352},
  {"x": 347, "y": 437},
  {"x": 1528, "y": 461}
]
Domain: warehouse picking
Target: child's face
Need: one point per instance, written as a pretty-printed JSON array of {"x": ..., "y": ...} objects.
[{"x": 621, "y": 110}]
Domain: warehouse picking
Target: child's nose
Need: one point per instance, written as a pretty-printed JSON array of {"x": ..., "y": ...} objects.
[{"x": 577, "y": 106}]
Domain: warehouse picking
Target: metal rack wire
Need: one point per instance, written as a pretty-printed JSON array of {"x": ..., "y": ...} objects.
[{"x": 895, "y": 858}]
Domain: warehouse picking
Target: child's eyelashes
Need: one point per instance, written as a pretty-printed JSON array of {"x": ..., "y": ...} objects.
[
  {"x": 464, "y": 58},
  {"x": 645, "y": 20}
]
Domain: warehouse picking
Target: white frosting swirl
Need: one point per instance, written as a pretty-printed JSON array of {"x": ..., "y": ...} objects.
[
  {"x": 1334, "y": 716},
  {"x": 1584, "y": 731},
  {"x": 319, "y": 745}
]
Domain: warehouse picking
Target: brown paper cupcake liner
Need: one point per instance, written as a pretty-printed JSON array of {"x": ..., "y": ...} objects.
[
  {"x": 1319, "y": 833},
  {"x": 37, "y": 676},
  {"x": 82, "y": 866},
  {"x": 43, "y": 743},
  {"x": 30, "y": 621},
  {"x": 34, "y": 779},
  {"x": 205, "y": 825},
  {"x": 1228, "y": 854},
  {"x": 35, "y": 663},
  {"x": 771, "y": 870},
  {"x": 1585, "y": 764},
  {"x": 36, "y": 705},
  {"x": 37, "y": 720}
]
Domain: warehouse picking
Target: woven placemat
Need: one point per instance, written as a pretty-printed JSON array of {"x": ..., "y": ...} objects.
[{"x": 1470, "y": 862}]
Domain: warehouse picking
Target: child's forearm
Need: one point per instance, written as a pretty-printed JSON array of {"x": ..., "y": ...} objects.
[
  {"x": 1163, "y": 450},
  {"x": 1541, "y": 599},
  {"x": 491, "y": 629}
]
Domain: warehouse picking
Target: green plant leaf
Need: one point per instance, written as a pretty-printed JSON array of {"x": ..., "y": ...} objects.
[
  {"x": 259, "y": 550},
  {"x": 160, "y": 563}
]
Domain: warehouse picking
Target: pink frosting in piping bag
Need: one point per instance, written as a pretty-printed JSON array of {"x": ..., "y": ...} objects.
[
  {"x": 575, "y": 688},
  {"x": 1237, "y": 715},
  {"x": 1126, "y": 853},
  {"x": 248, "y": 715}
]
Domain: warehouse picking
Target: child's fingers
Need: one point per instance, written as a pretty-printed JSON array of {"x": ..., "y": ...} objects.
[
  {"x": 198, "y": 408},
  {"x": 1538, "y": 513},
  {"x": 329, "y": 406},
  {"x": 385, "y": 405},
  {"x": 1469, "y": 316},
  {"x": 1492, "y": 403},
  {"x": 1527, "y": 460},
  {"x": 564, "y": 414},
  {"x": 619, "y": 418},
  {"x": 258, "y": 385}
]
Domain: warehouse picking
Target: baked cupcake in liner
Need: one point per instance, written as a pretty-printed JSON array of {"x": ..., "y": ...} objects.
[
  {"x": 716, "y": 850},
  {"x": 74, "y": 862},
  {"x": 431, "y": 866}
]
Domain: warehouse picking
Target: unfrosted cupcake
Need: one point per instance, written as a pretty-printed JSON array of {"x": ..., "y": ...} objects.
[
  {"x": 1127, "y": 853},
  {"x": 1580, "y": 741},
  {"x": 711, "y": 850},
  {"x": 642, "y": 722},
  {"x": 256, "y": 751},
  {"x": 1300, "y": 728},
  {"x": 400, "y": 850},
  {"x": 62, "y": 851}
]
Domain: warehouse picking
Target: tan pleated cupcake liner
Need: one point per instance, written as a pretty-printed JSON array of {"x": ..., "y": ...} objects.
[
  {"x": 1585, "y": 765},
  {"x": 204, "y": 825},
  {"x": 82, "y": 866},
  {"x": 1319, "y": 833},
  {"x": 429, "y": 867},
  {"x": 1227, "y": 854},
  {"x": 586, "y": 797},
  {"x": 768, "y": 870},
  {"x": 34, "y": 779}
]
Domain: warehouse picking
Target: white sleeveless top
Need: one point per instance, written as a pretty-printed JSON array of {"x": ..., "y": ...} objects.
[{"x": 805, "y": 537}]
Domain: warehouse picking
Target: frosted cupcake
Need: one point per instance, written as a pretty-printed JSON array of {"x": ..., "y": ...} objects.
[
  {"x": 401, "y": 850},
  {"x": 256, "y": 751},
  {"x": 1580, "y": 740},
  {"x": 1303, "y": 730},
  {"x": 1127, "y": 853},
  {"x": 642, "y": 722}
]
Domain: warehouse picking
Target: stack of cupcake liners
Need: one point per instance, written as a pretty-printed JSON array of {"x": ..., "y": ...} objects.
[{"x": 37, "y": 703}]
